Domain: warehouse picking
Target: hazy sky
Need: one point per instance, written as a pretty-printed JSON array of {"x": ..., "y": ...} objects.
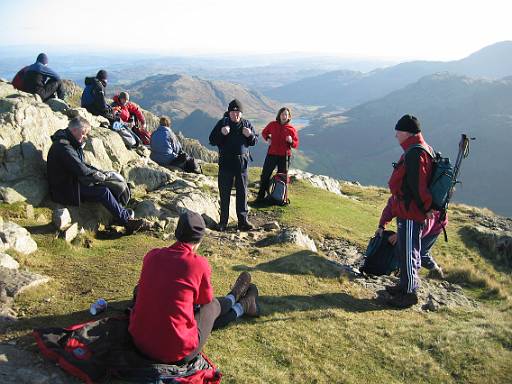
[{"x": 434, "y": 29}]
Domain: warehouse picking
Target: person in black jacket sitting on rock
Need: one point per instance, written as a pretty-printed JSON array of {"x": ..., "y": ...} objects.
[
  {"x": 233, "y": 136},
  {"x": 72, "y": 180},
  {"x": 42, "y": 80},
  {"x": 93, "y": 96}
]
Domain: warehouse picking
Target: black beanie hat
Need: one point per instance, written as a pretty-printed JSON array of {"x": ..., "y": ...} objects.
[
  {"x": 235, "y": 105},
  {"x": 190, "y": 228},
  {"x": 408, "y": 123},
  {"x": 102, "y": 75},
  {"x": 42, "y": 58}
]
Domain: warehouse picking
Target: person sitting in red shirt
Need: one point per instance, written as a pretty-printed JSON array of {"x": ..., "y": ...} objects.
[
  {"x": 130, "y": 113},
  {"x": 282, "y": 137},
  {"x": 175, "y": 310}
]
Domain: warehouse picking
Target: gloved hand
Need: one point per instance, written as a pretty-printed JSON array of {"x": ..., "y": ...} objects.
[
  {"x": 289, "y": 139},
  {"x": 225, "y": 130},
  {"x": 246, "y": 132},
  {"x": 99, "y": 176}
]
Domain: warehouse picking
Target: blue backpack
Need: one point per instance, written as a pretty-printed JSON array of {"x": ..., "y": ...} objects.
[
  {"x": 441, "y": 180},
  {"x": 380, "y": 257}
]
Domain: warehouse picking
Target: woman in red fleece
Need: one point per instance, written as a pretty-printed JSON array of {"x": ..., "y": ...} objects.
[{"x": 282, "y": 137}]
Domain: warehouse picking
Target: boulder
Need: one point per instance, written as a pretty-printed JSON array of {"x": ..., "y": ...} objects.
[
  {"x": 15, "y": 281},
  {"x": 497, "y": 242},
  {"x": 318, "y": 181},
  {"x": 10, "y": 196},
  {"x": 8, "y": 262},
  {"x": 61, "y": 218},
  {"x": 57, "y": 105},
  {"x": 293, "y": 236},
  {"x": 17, "y": 238},
  {"x": 70, "y": 233}
]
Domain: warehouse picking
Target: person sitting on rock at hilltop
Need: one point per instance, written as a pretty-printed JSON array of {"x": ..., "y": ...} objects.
[
  {"x": 40, "y": 79},
  {"x": 72, "y": 180},
  {"x": 93, "y": 96},
  {"x": 233, "y": 135},
  {"x": 175, "y": 310},
  {"x": 429, "y": 234},
  {"x": 130, "y": 113},
  {"x": 166, "y": 148},
  {"x": 282, "y": 137}
]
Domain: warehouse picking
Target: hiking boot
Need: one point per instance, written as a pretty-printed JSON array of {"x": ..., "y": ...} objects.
[
  {"x": 245, "y": 226},
  {"x": 393, "y": 289},
  {"x": 250, "y": 302},
  {"x": 403, "y": 300},
  {"x": 131, "y": 213},
  {"x": 136, "y": 225},
  {"x": 221, "y": 227},
  {"x": 436, "y": 273},
  {"x": 241, "y": 286}
]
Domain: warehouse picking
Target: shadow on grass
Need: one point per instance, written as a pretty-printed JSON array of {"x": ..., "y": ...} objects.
[
  {"x": 297, "y": 303},
  {"x": 115, "y": 309},
  {"x": 42, "y": 229},
  {"x": 298, "y": 263}
]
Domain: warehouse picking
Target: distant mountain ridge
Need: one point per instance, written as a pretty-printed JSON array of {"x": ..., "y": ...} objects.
[
  {"x": 361, "y": 146},
  {"x": 353, "y": 88},
  {"x": 179, "y": 95}
]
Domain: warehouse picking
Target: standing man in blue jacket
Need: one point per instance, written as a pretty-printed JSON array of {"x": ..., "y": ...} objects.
[
  {"x": 233, "y": 136},
  {"x": 42, "y": 80}
]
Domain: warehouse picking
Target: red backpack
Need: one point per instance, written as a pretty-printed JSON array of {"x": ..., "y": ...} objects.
[
  {"x": 18, "y": 81},
  {"x": 102, "y": 349}
]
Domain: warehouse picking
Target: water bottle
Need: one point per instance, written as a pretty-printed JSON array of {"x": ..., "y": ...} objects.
[{"x": 98, "y": 306}]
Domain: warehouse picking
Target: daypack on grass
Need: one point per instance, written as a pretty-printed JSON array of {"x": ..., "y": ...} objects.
[
  {"x": 380, "y": 257},
  {"x": 441, "y": 180},
  {"x": 103, "y": 349},
  {"x": 279, "y": 189}
]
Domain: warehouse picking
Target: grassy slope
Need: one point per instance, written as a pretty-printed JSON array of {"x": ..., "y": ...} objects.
[{"x": 316, "y": 327}]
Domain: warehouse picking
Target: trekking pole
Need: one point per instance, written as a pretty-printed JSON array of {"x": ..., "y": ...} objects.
[{"x": 463, "y": 153}]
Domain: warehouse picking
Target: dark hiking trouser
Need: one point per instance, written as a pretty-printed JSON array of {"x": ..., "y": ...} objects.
[
  {"x": 427, "y": 261},
  {"x": 227, "y": 174},
  {"x": 50, "y": 88},
  {"x": 271, "y": 162},
  {"x": 409, "y": 253},
  {"x": 101, "y": 194}
]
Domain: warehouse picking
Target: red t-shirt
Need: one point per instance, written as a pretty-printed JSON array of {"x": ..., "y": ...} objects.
[{"x": 172, "y": 280}]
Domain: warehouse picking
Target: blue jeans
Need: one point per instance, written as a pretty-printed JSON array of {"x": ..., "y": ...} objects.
[
  {"x": 427, "y": 261},
  {"x": 101, "y": 194}
]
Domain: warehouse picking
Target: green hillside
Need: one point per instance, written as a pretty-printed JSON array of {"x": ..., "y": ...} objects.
[{"x": 318, "y": 325}]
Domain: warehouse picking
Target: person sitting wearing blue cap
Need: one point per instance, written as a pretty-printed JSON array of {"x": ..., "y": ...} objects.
[{"x": 40, "y": 79}]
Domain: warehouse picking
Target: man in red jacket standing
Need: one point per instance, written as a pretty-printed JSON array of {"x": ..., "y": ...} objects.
[
  {"x": 411, "y": 206},
  {"x": 282, "y": 137}
]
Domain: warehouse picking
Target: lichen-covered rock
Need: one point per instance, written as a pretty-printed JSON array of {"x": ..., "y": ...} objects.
[
  {"x": 8, "y": 262},
  {"x": 293, "y": 236}
]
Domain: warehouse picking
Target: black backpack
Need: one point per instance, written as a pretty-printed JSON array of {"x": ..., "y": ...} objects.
[
  {"x": 380, "y": 257},
  {"x": 279, "y": 189}
]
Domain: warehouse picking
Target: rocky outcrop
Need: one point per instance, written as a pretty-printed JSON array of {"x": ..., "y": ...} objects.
[
  {"x": 318, "y": 181},
  {"x": 496, "y": 242},
  {"x": 293, "y": 236}
]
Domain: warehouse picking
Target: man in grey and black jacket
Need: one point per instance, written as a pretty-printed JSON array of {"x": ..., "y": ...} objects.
[
  {"x": 233, "y": 136},
  {"x": 72, "y": 180}
]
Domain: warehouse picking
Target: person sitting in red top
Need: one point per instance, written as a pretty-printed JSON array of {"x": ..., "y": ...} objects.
[
  {"x": 125, "y": 110},
  {"x": 282, "y": 137},
  {"x": 175, "y": 309}
]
